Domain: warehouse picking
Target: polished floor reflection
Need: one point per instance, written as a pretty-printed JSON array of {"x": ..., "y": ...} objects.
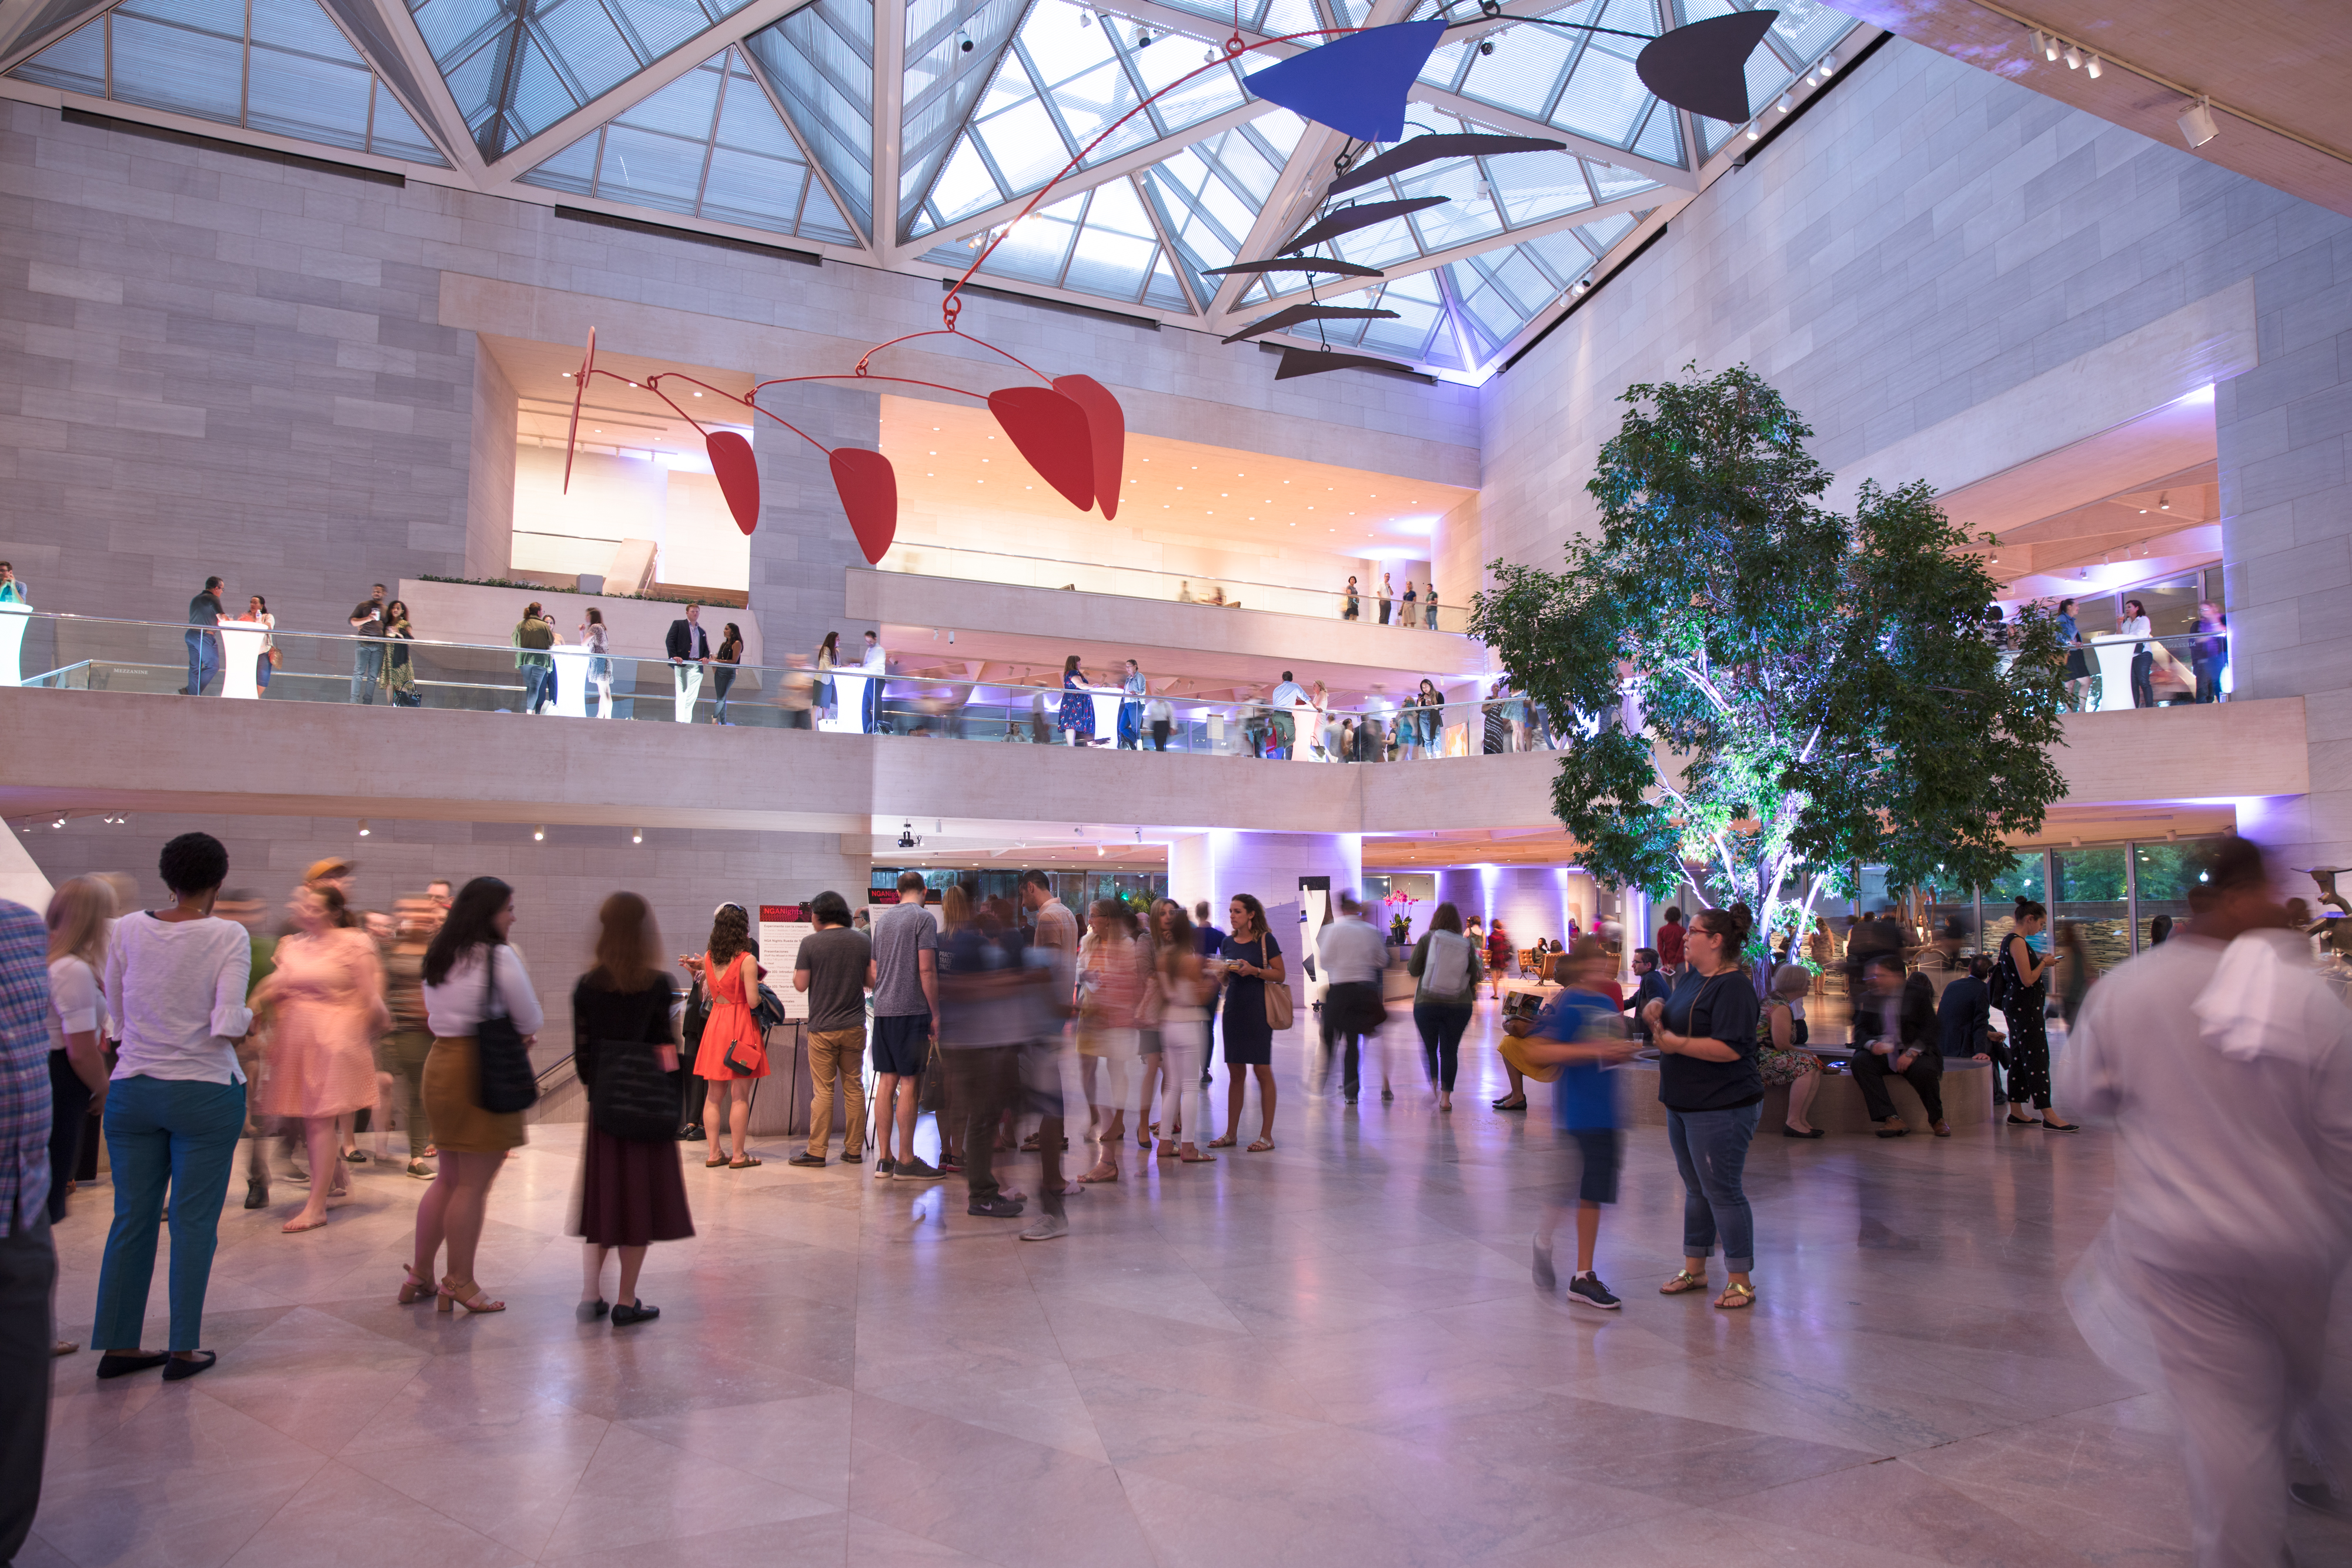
[{"x": 1331, "y": 1354}]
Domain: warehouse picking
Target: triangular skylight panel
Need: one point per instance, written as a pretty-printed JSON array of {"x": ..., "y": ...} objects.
[
  {"x": 819, "y": 61},
  {"x": 1581, "y": 82},
  {"x": 278, "y": 65},
  {"x": 952, "y": 50},
  {"x": 517, "y": 67},
  {"x": 1067, "y": 80},
  {"x": 1500, "y": 291},
  {"x": 1101, "y": 242},
  {"x": 1208, "y": 195},
  {"x": 709, "y": 145}
]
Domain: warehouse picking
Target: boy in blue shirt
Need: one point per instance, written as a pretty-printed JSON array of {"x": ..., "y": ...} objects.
[{"x": 1582, "y": 1030}]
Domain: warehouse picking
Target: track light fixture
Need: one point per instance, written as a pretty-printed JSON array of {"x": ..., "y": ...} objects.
[
  {"x": 1143, "y": 40},
  {"x": 963, "y": 42},
  {"x": 364, "y": 827},
  {"x": 539, "y": 835},
  {"x": 2074, "y": 57},
  {"x": 1753, "y": 132},
  {"x": 1828, "y": 64},
  {"x": 1086, "y": 18},
  {"x": 2049, "y": 48},
  {"x": 2196, "y": 123},
  {"x": 2092, "y": 68},
  {"x": 636, "y": 835},
  {"x": 2164, "y": 501}
]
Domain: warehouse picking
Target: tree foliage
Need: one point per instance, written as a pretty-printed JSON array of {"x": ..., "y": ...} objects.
[{"x": 1774, "y": 692}]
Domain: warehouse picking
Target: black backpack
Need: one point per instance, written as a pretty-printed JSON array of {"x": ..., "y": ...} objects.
[{"x": 2004, "y": 979}]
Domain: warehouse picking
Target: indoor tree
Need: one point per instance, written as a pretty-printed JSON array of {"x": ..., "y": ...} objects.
[{"x": 1770, "y": 694}]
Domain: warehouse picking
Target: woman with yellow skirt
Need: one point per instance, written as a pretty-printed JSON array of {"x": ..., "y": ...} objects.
[{"x": 470, "y": 974}]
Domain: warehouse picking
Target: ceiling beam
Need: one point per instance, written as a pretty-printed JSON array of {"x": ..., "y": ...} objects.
[
  {"x": 1396, "y": 270},
  {"x": 438, "y": 113},
  {"x": 687, "y": 57},
  {"x": 17, "y": 15},
  {"x": 1103, "y": 174},
  {"x": 889, "y": 133},
  {"x": 1504, "y": 120}
]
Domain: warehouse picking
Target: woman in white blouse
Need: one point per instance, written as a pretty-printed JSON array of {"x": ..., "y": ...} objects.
[
  {"x": 176, "y": 979},
  {"x": 468, "y": 961},
  {"x": 79, "y": 914},
  {"x": 2143, "y": 661}
]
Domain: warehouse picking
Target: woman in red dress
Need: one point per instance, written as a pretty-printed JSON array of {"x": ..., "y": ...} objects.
[
  {"x": 1498, "y": 955},
  {"x": 731, "y": 977}
]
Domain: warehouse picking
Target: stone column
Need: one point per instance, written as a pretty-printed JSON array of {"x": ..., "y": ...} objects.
[
  {"x": 2285, "y": 435},
  {"x": 803, "y": 544}
]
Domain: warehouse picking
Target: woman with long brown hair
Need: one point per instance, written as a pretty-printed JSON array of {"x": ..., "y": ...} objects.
[
  {"x": 1185, "y": 989},
  {"x": 631, "y": 1192},
  {"x": 78, "y": 916},
  {"x": 1249, "y": 958},
  {"x": 470, "y": 973},
  {"x": 734, "y": 1053}
]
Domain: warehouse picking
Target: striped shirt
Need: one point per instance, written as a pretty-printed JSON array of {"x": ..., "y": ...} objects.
[{"x": 24, "y": 1066}]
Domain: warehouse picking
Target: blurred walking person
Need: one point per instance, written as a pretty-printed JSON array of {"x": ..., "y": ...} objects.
[
  {"x": 632, "y": 1192},
  {"x": 1113, "y": 974},
  {"x": 470, "y": 974},
  {"x": 1049, "y": 966},
  {"x": 1186, "y": 988},
  {"x": 2227, "y": 1067},
  {"x": 406, "y": 1048},
  {"x": 325, "y": 998},
  {"x": 1354, "y": 959}
]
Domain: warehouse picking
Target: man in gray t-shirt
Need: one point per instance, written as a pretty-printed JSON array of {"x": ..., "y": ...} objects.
[
  {"x": 906, "y": 1000},
  {"x": 834, "y": 967}
]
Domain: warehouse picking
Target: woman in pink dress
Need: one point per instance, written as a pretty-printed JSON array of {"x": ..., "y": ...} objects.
[
  {"x": 730, "y": 977},
  {"x": 326, "y": 995}
]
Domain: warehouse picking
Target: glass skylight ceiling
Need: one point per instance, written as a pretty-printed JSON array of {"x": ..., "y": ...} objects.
[
  {"x": 775, "y": 129},
  {"x": 711, "y": 145},
  {"x": 279, "y": 65},
  {"x": 517, "y": 67}
]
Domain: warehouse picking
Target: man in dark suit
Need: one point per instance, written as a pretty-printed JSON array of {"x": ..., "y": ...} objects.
[
  {"x": 1964, "y": 1018},
  {"x": 689, "y": 654}
]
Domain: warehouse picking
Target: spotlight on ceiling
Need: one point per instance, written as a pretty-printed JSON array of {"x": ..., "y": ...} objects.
[
  {"x": 538, "y": 835},
  {"x": 2074, "y": 57},
  {"x": 1143, "y": 40},
  {"x": 1086, "y": 18},
  {"x": 364, "y": 827},
  {"x": 636, "y": 835},
  {"x": 2164, "y": 501},
  {"x": 2196, "y": 126},
  {"x": 1753, "y": 132},
  {"x": 963, "y": 42},
  {"x": 1788, "y": 101},
  {"x": 2049, "y": 48},
  {"x": 2091, "y": 67},
  {"x": 1486, "y": 46},
  {"x": 907, "y": 839}
]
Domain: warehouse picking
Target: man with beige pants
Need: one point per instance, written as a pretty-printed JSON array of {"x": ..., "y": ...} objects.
[{"x": 835, "y": 967}]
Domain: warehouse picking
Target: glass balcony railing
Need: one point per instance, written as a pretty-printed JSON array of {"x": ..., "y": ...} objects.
[
  {"x": 246, "y": 661},
  {"x": 1144, "y": 582},
  {"x": 2106, "y": 672}
]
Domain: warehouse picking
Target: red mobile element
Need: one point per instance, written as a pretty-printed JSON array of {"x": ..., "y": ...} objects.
[
  {"x": 1106, "y": 428},
  {"x": 1051, "y": 432},
  {"x": 739, "y": 476},
  {"x": 868, "y": 489},
  {"x": 579, "y": 390}
]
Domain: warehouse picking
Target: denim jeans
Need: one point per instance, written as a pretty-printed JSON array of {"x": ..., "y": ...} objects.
[
  {"x": 203, "y": 660},
  {"x": 165, "y": 1134},
  {"x": 367, "y": 671},
  {"x": 1711, "y": 1151}
]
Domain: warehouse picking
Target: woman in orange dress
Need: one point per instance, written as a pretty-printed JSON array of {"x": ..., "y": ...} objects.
[
  {"x": 731, "y": 977},
  {"x": 326, "y": 994}
]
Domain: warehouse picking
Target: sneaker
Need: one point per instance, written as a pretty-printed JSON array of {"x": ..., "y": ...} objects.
[
  {"x": 1047, "y": 1228},
  {"x": 853, "y": 1157},
  {"x": 1546, "y": 1279},
  {"x": 805, "y": 1159},
  {"x": 995, "y": 1208},
  {"x": 1587, "y": 1289},
  {"x": 916, "y": 1170},
  {"x": 885, "y": 1168}
]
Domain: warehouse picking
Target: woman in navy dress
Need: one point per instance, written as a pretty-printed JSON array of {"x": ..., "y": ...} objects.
[
  {"x": 1077, "y": 719},
  {"x": 1249, "y": 957}
]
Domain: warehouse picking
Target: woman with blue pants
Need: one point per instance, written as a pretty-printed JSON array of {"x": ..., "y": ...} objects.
[
  {"x": 176, "y": 980},
  {"x": 1710, "y": 1084}
]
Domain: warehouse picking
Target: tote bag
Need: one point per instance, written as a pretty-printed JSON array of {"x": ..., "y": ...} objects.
[
  {"x": 508, "y": 1083},
  {"x": 632, "y": 1098}
]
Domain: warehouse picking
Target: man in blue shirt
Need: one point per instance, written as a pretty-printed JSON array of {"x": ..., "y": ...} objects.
[
  {"x": 1582, "y": 1030},
  {"x": 1285, "y": 700}
]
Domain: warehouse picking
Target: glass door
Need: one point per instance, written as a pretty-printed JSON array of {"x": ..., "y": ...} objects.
[{"x": 2088, "y": 893}]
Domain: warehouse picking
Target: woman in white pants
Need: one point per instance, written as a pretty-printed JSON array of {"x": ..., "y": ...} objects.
[{"x": 1184, "y": 1034}]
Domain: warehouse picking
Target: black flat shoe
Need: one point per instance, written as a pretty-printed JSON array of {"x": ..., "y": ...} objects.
[
  {"x": 634, "y": 1313},
  {"x": 124, "y": 1365},
  {"x": 257, "y": 1194},
  {"x": 181, "y": 1368},
  {"x": 2025, "y": 1121},
  {"x": 2048, "y": 1126},
  {"x": 1792, "y": 1132},
  {"x": 589, "y": 1312},
  {"x": 1507, "y": 1103}
]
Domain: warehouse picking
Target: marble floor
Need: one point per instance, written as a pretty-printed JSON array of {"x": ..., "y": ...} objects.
[{"x": 1331, "y": 1354}]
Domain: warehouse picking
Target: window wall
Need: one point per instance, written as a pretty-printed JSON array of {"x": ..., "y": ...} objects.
[{"x": 2113, "y": 892}]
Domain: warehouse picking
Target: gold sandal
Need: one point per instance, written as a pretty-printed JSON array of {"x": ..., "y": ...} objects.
[
  {"x": 1683, "y": 1284},
  {"x": 1736, "y": 1297}
]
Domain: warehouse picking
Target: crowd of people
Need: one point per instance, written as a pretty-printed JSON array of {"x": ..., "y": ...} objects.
[
  {"x": 1415, "y": 607},
  {"x": 192, "y": 1029}
]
